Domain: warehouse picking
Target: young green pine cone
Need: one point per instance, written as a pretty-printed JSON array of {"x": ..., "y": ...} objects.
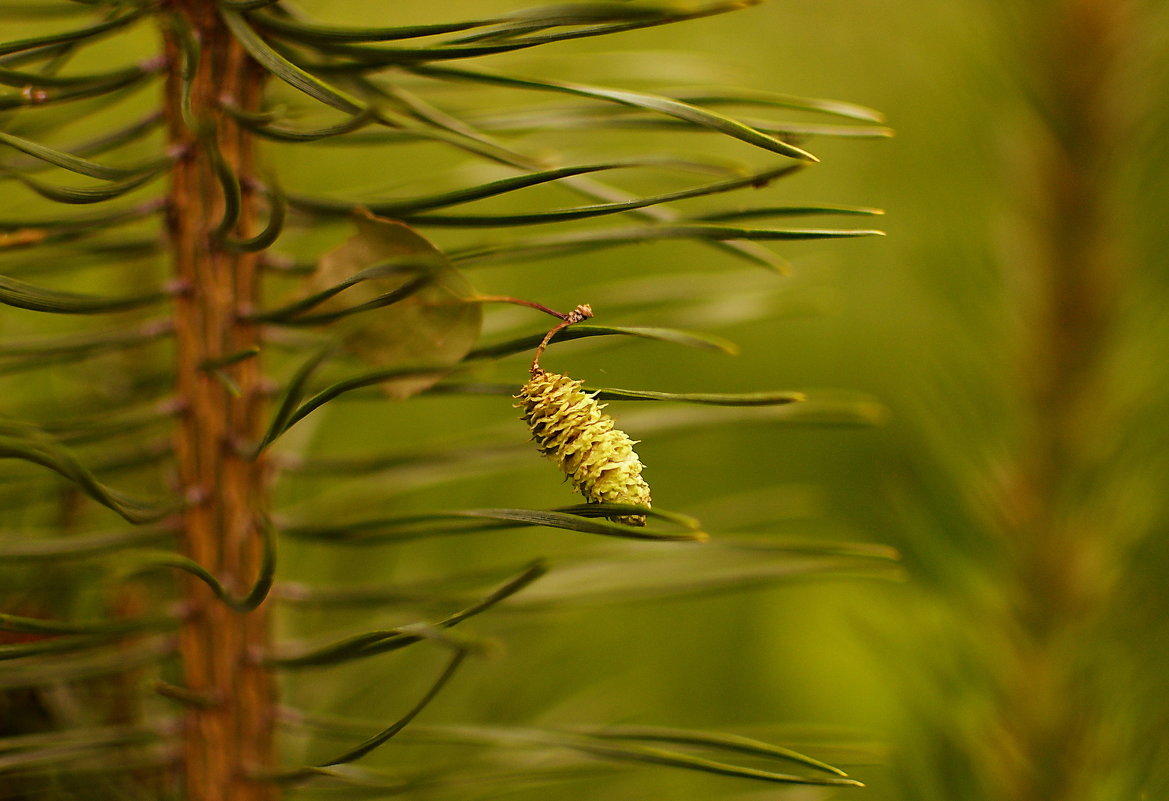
[{"x": 569, "y": 426}]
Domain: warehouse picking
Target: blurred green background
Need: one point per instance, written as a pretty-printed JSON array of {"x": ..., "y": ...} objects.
[
  {"x": 812, "y": 663},
  {"x": 932, "y": 321},
  {"x": 900, "y": 681},
  {"x": 798, "y": 659}
]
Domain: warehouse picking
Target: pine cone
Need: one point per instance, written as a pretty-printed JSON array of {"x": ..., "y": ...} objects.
[{"x": 598, "y": 458}]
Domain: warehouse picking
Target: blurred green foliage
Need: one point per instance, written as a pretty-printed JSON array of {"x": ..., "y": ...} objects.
[{"x": 932, "y": 323}]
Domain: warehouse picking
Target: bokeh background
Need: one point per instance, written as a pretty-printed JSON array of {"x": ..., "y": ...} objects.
[
  {"x": 796, "y": 661},
  {"x": 902, "y": 676}
]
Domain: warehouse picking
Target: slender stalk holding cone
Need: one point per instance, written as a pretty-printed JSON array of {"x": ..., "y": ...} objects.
[{"x": 582, "y": 312}]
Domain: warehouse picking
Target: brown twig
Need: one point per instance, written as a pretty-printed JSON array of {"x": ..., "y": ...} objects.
[
  {"x": 581, "y": 312},
  {"x": 531, "y": 304}
]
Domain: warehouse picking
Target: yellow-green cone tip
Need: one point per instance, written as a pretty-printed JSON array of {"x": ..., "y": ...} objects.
[{"x": 568, "y": 425}]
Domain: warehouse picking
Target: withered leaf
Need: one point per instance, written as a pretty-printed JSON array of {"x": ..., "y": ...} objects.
[{"x": 426, "y": 320}]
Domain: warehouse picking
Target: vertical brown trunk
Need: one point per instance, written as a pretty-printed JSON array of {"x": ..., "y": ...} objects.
[{"x": 227, "y": 741}]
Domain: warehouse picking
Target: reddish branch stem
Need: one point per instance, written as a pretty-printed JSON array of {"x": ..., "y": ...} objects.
[{"x": 227, "y": 742}]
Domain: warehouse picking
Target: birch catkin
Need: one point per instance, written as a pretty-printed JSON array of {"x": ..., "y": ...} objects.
[{"x": 598, "y": 458}]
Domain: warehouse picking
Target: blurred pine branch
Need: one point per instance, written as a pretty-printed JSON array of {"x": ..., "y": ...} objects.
[{"x": 1028, "y": 489}]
